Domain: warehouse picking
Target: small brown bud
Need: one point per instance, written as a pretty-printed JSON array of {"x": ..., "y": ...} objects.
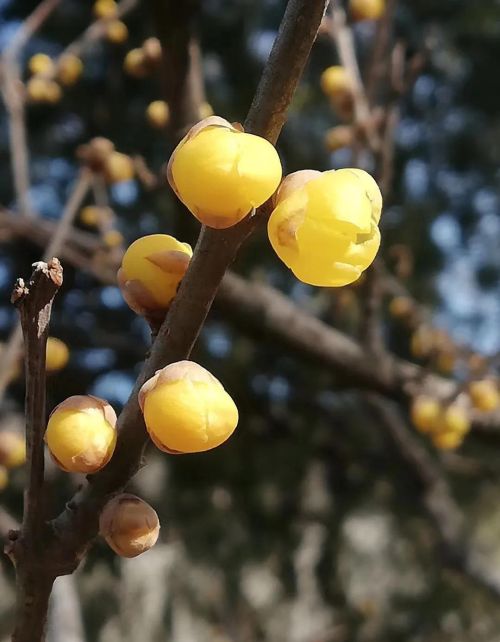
[{"x": 129, "y": 525}]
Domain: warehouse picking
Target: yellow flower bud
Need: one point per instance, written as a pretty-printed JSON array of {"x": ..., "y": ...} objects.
[
  {"x": 401, "y": 307},
  {"x": 119, "y": 167},
  {"x": 447, "y": 440},
  {"x": 57, "y": 354},
  {"x": 113, "y": 238},
  {"x": 116, "y": 32},
  {"x": 151, "y": 270},
  {"x": 338, "y": 137},
  {"x": 151, "y": 49},
  {"x": 325, "y": 230},
  {"x": 484, "y": 395},
  {"x": 220, "y": 173},
  {"x": 4, "y": 478},
  {"x": 81, "y": 434},
  {"x": 129, "y": 525},
  {"x": 96, "y": 153},
  {"x": 158, "y": 113},
  {"x": 454, "y": 418},
  {"x": 12, "y": 449},
  {"x": 425, "y": 412},
  {"x": 135, "y": 63},
  {"x": 422, "y": 342},
  {"x": 90, "y": 215},
  {"x": 69, "y": 69},
  {"x": 366, "y": 9},
  {"x": 446, "y": 360},
  {"x": 41, "y": 64},
  {"x": 206, "y": 110},
  {"x": 41, "y": 90},
  {"x": 53, "y": 92},
  {"x": 186, "y": 409},
  {"x": 335, "y": 80},
  {"x": 105, "y": 9}
]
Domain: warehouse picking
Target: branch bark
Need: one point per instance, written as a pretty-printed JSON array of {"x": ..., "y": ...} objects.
[{"x": 34, "y": 582}]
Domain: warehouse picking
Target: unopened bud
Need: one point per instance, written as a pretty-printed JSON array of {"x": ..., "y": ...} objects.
[{"x": 129, "y": 525}]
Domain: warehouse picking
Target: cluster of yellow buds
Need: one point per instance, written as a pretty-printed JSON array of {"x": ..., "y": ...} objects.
[
  {"x": 445, "y": 424},
  {"x": 101, "y": 157},
  {"x": 116, "y": 31},
  {"x": 41, "y": 87},
  {"x": 324, "y": 226},
  {"x": 12, "y": 454},
  {"x": 434, "y": 344},
  {"x": 366, "y": 9},
  {"x": 142, "y": 61}
]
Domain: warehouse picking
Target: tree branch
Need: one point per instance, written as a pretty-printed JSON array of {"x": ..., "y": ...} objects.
[
  {"x": 436, "y": 498},
  {"x": 265, "y": 311},
  {"x": 34, "y": 302},
  {"x": 215, "y": 250}
]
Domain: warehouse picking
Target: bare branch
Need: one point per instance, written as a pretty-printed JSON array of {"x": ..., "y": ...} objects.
[
  {"x": 342, "y": 35},
  {"x": 34, "y": 302}
]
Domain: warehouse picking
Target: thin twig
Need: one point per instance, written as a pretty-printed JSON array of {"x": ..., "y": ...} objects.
[
  {"x": 342, "y": 36},
  {"x": 34, "y": 302},
  {"x": 56, "y": 241},
  {"x": 14, "y": 102},
  {"x": 70, "y": 211},
  {"x": 97, "y": 30}
]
